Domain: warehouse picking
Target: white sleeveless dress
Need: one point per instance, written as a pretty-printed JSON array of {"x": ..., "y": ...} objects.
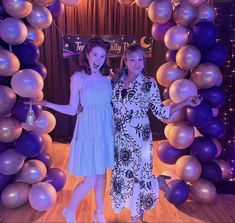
[{"x": 92, "y": 145}]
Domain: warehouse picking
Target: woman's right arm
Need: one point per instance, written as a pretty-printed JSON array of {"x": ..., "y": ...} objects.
[{"x": 72, "y": 107}]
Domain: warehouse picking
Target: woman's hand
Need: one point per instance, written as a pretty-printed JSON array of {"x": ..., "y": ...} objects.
[{"x": 193, "y": 101}]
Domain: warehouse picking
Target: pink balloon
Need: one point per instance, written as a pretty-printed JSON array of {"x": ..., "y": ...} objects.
[
  {"x": 42, "y": 196},
  {"x": 27, "y": 83},
  {"x": 36, "y": 36},
  {"x": 72, "y": 2},
  {"x": 43, "y": 2},
  {"x": 143, "y": 3},
  {"x": 13, "y": 31},
  {"x": 195, "y": 3}
]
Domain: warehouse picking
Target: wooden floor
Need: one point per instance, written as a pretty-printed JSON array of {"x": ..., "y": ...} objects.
[{"x": 220, "y": 211}]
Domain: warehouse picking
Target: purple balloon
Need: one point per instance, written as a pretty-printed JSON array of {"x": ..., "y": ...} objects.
[
  {"x": 56, "y": 178},
  {"x": 214, "y": 96},
  {"x": 26, "y": 52},
  {"x": 203, "y": 149},
  {"x": 39, "y": 67},
  {"x": 211, "y": 171},
  {"x": 159, "y": 30},
  {"x": 179, "y": 192},
  {"x": 5, "y": 81},
  {"x": 215, "y": 129},
  {"x": 20, "y": 110},
  {"x": 4, "y": 146},
  {"x": 5, "y": 180},
  {"x": 200, "y": 115},
  {"x": 169, "y": 154},
  {"x": 30, "y": 144},
  {"x": 45, "y": 158},
  {"x": 171, "y": 55},
  {"x": 56, "y": 9},
  {"x": 3, "y": 13}
]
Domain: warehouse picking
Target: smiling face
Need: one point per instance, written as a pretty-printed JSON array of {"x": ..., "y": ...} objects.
[
  {"x": 135, "y": 62},
  {"x": 96, "y": 58}
]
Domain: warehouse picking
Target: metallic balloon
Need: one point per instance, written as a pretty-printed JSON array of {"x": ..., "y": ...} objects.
[
  {"x": 182, "y": 89},
  {"x": 184, "y": 14},
  {"x": 13, "y": 31},
  {"x": 42, "y": 196},
  {"x": 7, "y": 99},
  {"x": 167, "y": 130},
  {"x": 27, "y": 83},
  {"x": 188, "y": 168},
  {"x": 188, "y": 57},
  {"x": 143, "y": 3},
  {"x": 168, "y": 73},
  {"x": 195, "y": 3},
  {"x": 17, "y": 8},
  {"x": 71, "y": 2},
  {"x": 206, "y": 13},
  {"x": 176, "y": 37},
  {"x": 10, "y": 129},
  {"x": 15, "y": 195},
  {"x": 47, "y": 142},
  {"x": 181, "y": 135},
  {"x": 225, "y": 168},
  {"x": 39, "y": 97},
  {"x": 160, "y": 11},
  {"x": 126, "y": 2},
  {"x": 218, "y": 147},
  {"x": 43, "y": 2},
  {"x": 36, "y": 36},
  {"x": 206, "y": 75},
  {"x": 203, "y": 191},
  {"x": 40, "y": 17},
  {"x": 33, "y": 171},
  {"x": 9, "y": 63},
  {"x": 11, "y": 162}
]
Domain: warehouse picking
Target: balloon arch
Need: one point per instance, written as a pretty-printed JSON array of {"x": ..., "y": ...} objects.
[{"x": 193, "y": 62}]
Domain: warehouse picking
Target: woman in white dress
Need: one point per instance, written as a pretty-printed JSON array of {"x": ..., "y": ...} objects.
[
  {"x": 92, "y": 146},
  {"x": 132, "y": 185}
]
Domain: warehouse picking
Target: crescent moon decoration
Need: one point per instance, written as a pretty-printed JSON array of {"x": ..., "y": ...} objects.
[{"x": 143, "y": 44}]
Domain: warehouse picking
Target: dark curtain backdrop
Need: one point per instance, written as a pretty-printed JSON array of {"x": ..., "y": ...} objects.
[{"x": 98, "y": 17}]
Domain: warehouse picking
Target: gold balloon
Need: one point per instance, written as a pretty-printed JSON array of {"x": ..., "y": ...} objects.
[
  {"x": 188, "y": 57},
  {"x": 206, "y": 75},
  {"x": 45, "y": 123},
  {"x": 17, "y": 8},
  {"x": 203, "y": 191},
  {"x": 181, "y": 135},
  {"x": 36, "y": 36},
  {"x": 169, "y": 72},
  {"x": 195, "y": 3},
  {"x": 225, "y": 168},
  {"x": 71, "y": 2},
  {"x": 47, "y": 142},
  {"x": 160, "y": 11},
  {"x": 126, "y": 2},
  {"x": 143, "y": 3},
  {"x": 184, "y": 14},
  {"x": 176, "y": 37},
  {"x": 10, "y": 129},
  {"x": 39, "y": 97},
  {"x": 167, "y": 130},
  {"x": 188, "y": 168},
  {"x": 182, "y": 89},
  {"x": 43, "y": 2}
]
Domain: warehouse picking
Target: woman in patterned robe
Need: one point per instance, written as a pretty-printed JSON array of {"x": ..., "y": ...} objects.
[{"x": 132, "y": 185}]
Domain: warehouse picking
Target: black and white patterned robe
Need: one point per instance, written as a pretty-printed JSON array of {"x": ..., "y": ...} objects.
[{"x": 132, "y": 185}]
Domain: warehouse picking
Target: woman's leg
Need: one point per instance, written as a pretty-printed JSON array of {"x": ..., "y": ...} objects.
[
  {"x": 99, "y": 197},
  {"x": 79, "y": 193}
]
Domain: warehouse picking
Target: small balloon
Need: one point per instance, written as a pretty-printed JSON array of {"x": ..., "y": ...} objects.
[
  {"x": 211, "y": 171},
  {"x": 36, "y": 36},
  {"x": 225, "y": 168},
  {"x": 56, "y": 9},
  {"x": 206, "y": 12},
  {"x": 195, "y": 3},
  {"x": 159, "y": 30},
  {"x": 74, "y": 2},
  {"x": 143, "y": 3},
  {"x": 45, "y": 158},
  {"x": 171, "y": 55}
]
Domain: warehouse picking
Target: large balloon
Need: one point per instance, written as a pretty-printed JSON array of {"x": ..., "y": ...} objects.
[
  {"x": 182, "y": 89},
  {"x": 203, "y": 34},
  {"x": 56, "y": 9},
  {"x": 7, "y": 99},
  {"x": 9, "y": 63},
  {"x": 143, "y": 3},
  {"x": 40, "y": 17},
  {"x": 42, "y": 196},
  {"x": 179, "y": 192},
  {"x": 10, "y": 129},
  {"x": 214, "y": 96},
  {"x": 206, "y": 75},
  {"x": 181, "y": 135},
  {"x": 203, "y": 149},
  {"x": 33, "y": 171},
  {"x": 199, "y": 116},
  {"x": 15, "y": 195},
  {"x": 36, "y": 36},
  {"x": 17, "y": 8},
  {"x": 188, "y": 168},
  {"x": 56, "y": 178},
  {"x": 184, "y": 14},
  {"x": 13, "y": 31},
  {"x": 11, "y": 162},
  {"x": 29, "y": 144},
  {"x": 27, "y": 83},
  {"x": 168, "y": 73},
  {"x": 159, "y": 30},
  {"x": 160, "y": 11},
  {"x": 168, "y": 154},
  {"x": 188, "y": 57},
  {"x": 211, "y": 171},
  {"x": 203, "y": 191}
]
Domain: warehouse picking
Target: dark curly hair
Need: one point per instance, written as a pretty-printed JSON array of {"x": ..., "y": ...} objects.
[{"x": 91, "y": 43}]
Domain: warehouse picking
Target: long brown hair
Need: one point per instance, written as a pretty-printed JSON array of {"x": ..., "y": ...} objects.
[{"x": 91, "y": 43}]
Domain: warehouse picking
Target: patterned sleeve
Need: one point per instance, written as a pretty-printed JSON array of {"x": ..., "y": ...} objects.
[{"x": 159, "y": 110}]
